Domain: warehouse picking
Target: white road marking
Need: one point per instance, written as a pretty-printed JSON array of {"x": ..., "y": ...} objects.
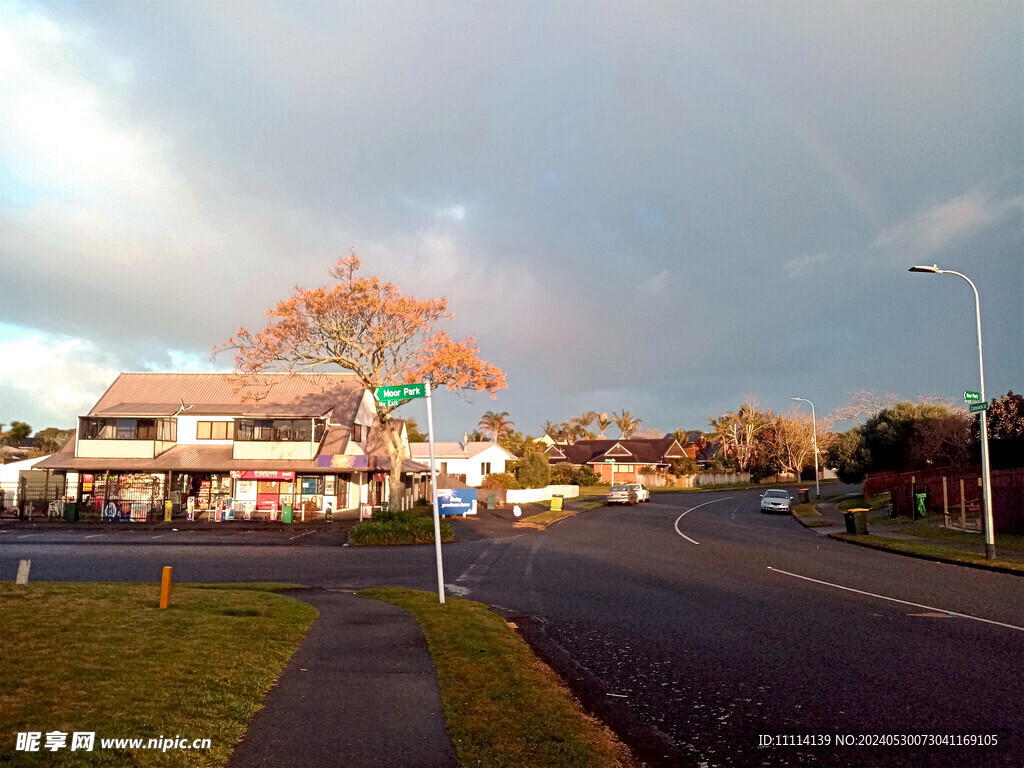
[
  {"x": 160, "y": 536},
  {"x": 691, "y": 510},
  {"x": 302, "y": 534},
  {"x": 95, "y": 536},
  {"x": 897, "y": 600}
]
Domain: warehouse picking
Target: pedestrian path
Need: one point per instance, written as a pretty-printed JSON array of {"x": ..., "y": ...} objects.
[{"x": 360, "y": 692}]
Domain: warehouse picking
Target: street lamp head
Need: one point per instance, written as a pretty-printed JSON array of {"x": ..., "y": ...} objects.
[
  {"x": 796, "y": 398},
  {"x": 934, "y": 269}
]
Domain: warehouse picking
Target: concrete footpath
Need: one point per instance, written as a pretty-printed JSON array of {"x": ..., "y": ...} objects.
[{"x": 360, "y": 692}]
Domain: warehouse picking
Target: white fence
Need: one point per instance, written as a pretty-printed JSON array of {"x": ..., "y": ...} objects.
[{"x": 526, "y": 495}]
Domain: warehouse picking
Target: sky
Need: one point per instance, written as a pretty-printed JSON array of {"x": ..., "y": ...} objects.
[{"x": 665, "y": 208}]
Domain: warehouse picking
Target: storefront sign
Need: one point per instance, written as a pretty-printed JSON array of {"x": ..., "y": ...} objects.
[
  {"x": 458, "y": 501},
  {"x": 262, "y": 474},
  {"x": 343, "y": 462}
]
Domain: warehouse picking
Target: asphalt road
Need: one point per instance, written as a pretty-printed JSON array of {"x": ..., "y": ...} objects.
[{"x": 698, "y": 624}]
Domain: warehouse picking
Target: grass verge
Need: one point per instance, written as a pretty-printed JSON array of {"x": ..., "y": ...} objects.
[
  {"x": 103, "y": 658},
  {"x": 544, "y": 519},
  {"x": 397, "y": 528},
  {"x": 503, "y": 707},
  {"x": 930, "y": 551},
  {"x": 809, "y": 516}
]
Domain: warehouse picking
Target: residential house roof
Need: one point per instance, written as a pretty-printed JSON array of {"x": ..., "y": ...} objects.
[
  {"x": 660, "y": 450},
  {"x": 457, "y": 450}
]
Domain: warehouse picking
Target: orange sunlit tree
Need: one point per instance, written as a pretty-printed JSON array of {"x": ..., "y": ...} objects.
[{"x": 367, "y": 327}]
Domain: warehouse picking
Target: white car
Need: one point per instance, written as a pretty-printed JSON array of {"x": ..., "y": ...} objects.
[
  {"x": 776, "y": 500},
  {"x": 627, "y": 494}
]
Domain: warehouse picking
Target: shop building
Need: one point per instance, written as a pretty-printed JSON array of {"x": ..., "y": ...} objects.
[{"x": 216, "y": 446}]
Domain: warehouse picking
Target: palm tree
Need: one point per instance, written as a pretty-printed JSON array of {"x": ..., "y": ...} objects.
[
  {"x": 603, "y": 422},
  {"x": 627, "y": 424},
  {"x": 551, "y": 429},
  {"x": 497, "y": 424}
]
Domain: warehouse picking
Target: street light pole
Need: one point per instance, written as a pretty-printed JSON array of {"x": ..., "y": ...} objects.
[
  {"x": 814, "y": 426},
  {"x": 986, "y": 478}
]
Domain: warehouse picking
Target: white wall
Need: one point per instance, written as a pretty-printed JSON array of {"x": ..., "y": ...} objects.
[{"x": 526, "y": 495}]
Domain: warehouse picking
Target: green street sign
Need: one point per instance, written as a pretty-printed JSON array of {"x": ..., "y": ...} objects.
[
  {"x": 971, "y": 397},
  {"x": 975, "y": 407},
  {"x": 398, "y": 393}
]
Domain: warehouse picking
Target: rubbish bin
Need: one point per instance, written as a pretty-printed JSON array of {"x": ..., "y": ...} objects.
[
  {"x": 490, "y": 501},
  {"x": 288, "y": 514},
  {"x": 856, "y": 521},
  {"x": 919, "y": 505},
  {"x": 69, "y": 511},
  {"x": 805, "y": 495}
]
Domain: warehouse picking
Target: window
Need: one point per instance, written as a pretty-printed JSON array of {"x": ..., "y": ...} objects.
[
  {"x": 215, "y": 430},
  {"x": 485, "y": 468},
  {"x": 275, "y": 430},
  {"x": 119, "y": 429},
  {"x": 444, "y": 467},
  {"x": 357, "y": 433}
]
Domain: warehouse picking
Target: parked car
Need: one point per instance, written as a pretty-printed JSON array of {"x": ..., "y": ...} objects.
[
  {"x": 776, "y": 500},
  {"x": 630, "y": 493}
]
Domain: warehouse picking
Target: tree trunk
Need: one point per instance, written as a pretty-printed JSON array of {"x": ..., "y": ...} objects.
[{"x": 396, "y": 453}]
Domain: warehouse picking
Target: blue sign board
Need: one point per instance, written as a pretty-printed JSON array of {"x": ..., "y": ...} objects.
[{"x": 457, "y": 501}]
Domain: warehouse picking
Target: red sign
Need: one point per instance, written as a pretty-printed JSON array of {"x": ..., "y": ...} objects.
[{"x": 263, "y": 474}]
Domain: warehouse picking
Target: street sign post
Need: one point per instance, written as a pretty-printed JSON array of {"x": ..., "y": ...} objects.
[
  {"x": 975, "y": 407},
  {"x": 971, "y": 397},
  {"x": 399, "y": 393}
]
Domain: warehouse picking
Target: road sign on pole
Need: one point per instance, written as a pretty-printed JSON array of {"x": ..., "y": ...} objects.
[
  {"x": 975, "y": 407},
  {"x": 399, "y": 393},
  {"x": 971, "y": 397}
]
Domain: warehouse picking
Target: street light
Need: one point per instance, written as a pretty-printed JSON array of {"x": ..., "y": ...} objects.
[
  {"x": 986, "y": 479},
  {"x": 814, "y": 426}
]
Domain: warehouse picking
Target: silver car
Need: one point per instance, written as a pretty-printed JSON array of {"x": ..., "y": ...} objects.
[
  {"x": 776, "y": 500},
  {"x": 630, "y": 493}
]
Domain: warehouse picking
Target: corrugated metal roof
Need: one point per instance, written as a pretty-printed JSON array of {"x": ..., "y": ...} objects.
[{"x": 229, "y": 394}]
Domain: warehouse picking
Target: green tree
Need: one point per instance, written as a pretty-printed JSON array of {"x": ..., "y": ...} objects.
[
  {"x": 497, "y": 424},
  {"x": 738, "y": 433},
  {"x": 562, "y": 473},
  {"x": 534, "y": 471},
  {"x": 1004, "y": 419},
  {"x": 846, "y": 457},
  {"x": 888, "y": 437},
  {"x": 51, "y": 439},
  {"x": 19, "y": 431},
  {"x": 683, "y": 466},
  {"x": 626, "y": 423},
  {"x": 585, "y": 475},
  {"x": 603, "y": 422},
  {"x": 413, "y": 431}
]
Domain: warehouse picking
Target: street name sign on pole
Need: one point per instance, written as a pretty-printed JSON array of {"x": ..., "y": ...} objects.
[
  {"x": 975, "y": 407},
  {"x": 971, "y": 397},
  {"x": 400, "y": 393},
  {"x": 433, "y": 491}
]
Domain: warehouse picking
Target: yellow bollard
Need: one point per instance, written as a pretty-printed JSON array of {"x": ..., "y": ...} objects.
[{"x": 165, "y": 587}]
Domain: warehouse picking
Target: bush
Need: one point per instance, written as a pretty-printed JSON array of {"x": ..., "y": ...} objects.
[
  {"x": 683, "y": 466},
  {"x": 394, "y": 528},
  {"x": 504, "y": 480},
  {"x": 586, "y": 476},
  {"x": 562, "y": 474},
  {"x": 534, "y": 471}
]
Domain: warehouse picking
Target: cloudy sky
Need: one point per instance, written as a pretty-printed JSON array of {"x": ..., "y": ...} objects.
[{"x": 664, "y": 208}]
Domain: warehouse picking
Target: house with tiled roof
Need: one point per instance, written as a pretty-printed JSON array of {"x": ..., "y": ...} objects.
[
  {"x": 618, "y": 461},
  {"x": 469, "y": 461},
  {"x": 252, "y": 447}
]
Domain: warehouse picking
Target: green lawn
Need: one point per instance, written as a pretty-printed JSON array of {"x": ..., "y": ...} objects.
[
  {"x": 104, "y": 658},
  {"x": 924, "y": 549},
  {"x": 503, "y": 707}
]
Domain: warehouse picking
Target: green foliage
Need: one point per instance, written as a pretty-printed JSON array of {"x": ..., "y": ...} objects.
[
  {"x": 413, "y": 431},
  {"x": 763, "y": 469},
  {"x": 18, "y": 431},
  {"x": 51, "y": 439},
  {"x": 397, "y": 528},
  {"x": 585, "y": 476},
  {"x": 519, "y": 444},
  {"x": 562, "y": 474},
  {"x": 534, "y": 471},
  {"x": 683, "y": 466},
  {"x": 846, "y": 458},
  {"x": 1004, "y": 419},
  {"x": 505, "y": 480}
]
